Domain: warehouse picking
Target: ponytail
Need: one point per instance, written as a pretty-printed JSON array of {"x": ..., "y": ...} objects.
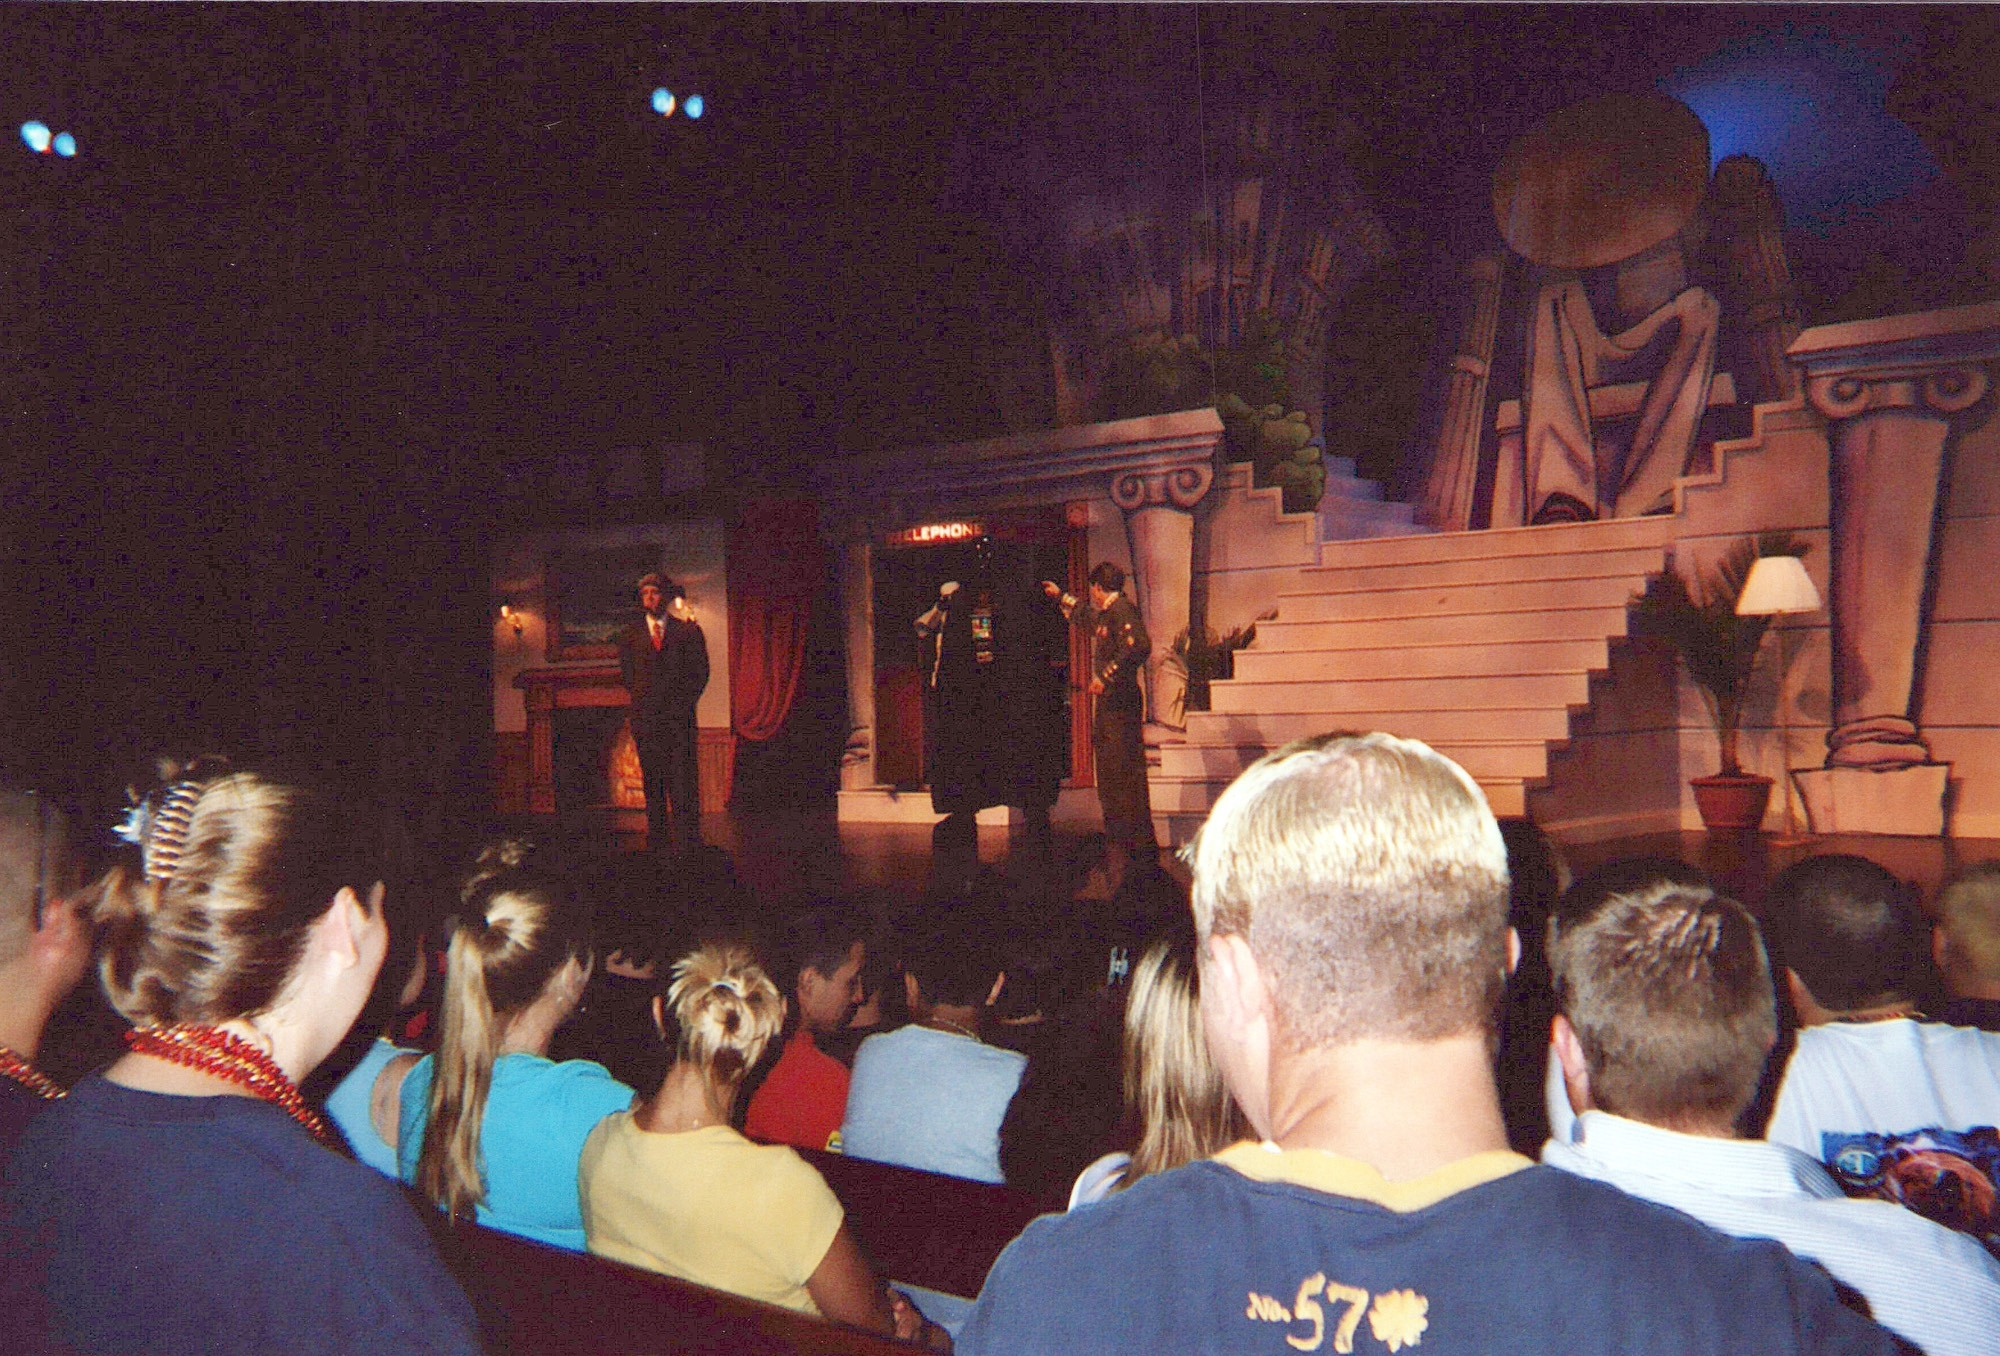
[{"x": 449, "y": 1170}]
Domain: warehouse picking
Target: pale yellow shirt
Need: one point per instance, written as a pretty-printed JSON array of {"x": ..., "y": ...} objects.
[{"x": 708, "y": 1206}]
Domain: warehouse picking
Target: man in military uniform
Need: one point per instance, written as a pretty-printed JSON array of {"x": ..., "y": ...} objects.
[{"x": 1118, "y": 649}]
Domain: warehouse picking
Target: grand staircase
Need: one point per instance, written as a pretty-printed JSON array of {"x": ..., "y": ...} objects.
[{"x": 1505, "y": 649}]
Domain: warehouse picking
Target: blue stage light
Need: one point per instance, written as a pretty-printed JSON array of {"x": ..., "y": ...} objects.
[
  {"x": 664, "y": 103},
  {"x": 696, "y": 105},
  {"x": 36, "y": 134},
  {"x": 65, "y": 145}
]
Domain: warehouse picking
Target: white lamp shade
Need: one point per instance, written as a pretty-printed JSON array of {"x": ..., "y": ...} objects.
[{"x": 1778, "y": 586}]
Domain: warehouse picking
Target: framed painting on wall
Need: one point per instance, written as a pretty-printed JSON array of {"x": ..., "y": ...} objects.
[{"x": 592, "y": 596}]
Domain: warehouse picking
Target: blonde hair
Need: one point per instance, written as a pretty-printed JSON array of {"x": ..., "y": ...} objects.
[
  {"x": 1369, "y": 878},
  {"x": 1968, "y": 909},
  {"x": 213, "y": 927},
  {"x": 1185, "y": 1111},
  {"x": 516, "y": 929},
  {"x": 727, "y": 1010}
]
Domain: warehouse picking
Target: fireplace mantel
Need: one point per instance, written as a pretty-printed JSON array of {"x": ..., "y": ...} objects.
[{"x": 547, "y": 691}]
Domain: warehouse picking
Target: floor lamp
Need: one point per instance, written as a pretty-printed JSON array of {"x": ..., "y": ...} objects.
[{"x": 1779, "y": 587}]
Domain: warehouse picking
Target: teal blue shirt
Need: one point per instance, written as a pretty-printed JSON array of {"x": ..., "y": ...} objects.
[{"x": 538, "y": 1114}]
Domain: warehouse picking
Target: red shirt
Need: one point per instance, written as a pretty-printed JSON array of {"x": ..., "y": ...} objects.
[{"x": 803, "y": 1101}]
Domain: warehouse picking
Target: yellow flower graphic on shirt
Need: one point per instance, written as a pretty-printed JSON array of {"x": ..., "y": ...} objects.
[{"x": 1399, "y": 1318}]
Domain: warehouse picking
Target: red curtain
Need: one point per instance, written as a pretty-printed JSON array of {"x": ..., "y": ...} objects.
[{"x": 776, "y": 569}]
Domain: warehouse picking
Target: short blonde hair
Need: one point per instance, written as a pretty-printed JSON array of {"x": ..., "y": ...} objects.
[
  {"x": 1369, "y": 878},
  {"x": 1968, "y": 909},
  {"x": 1172, "y": 1086},
  {"x": 727, "y": 1009}
]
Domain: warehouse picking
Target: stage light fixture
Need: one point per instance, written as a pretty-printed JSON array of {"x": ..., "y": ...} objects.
[
  {"x": 664, "y": 102},
  {"x": 36, "y": 134},
  {"x": 696, "y": 106},
  {"x": 65, "y": 145}
]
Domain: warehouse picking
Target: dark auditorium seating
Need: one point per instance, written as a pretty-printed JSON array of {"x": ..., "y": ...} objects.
[
  {"x": 535, "y": 1300},
  {"x": 920, "y": 1228}
]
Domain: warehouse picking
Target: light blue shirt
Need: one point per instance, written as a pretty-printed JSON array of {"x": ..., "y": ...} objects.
[
  {"x": 931, "y": 1100},
  {"x": 1937, "y": 1288},
  {"x": 538, "y": 1114},
  {"x": 348, "y": 1106}
]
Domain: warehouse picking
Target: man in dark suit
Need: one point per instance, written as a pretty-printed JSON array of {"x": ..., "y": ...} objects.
[
  {"x": 664, "y": 658},
  {"x": 1118, "y": 649}
]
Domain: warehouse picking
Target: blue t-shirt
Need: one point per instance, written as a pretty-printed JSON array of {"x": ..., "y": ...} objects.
[
  {"x": 349, "y": 1106},
  {"x": 931, "y": 1100},
  {"x": 152, "y": 1223},
  {"x": 538, "y": 1114},
  {"x": 1492, "y": 1256}
]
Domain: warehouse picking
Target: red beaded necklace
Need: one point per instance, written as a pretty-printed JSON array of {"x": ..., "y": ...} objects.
[
  {"x": 234, "y": 1060},
  {"x": 28, "y": 1076}
]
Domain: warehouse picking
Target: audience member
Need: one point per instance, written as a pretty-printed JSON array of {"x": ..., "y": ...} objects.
[
  {"x": 1350, "y": 895},
  {"x": 1966, "y": 945},
  {"x": 44, "y": 950},
  {"x": 932, "y": 1094},
  {"x": 1583, "y": 900},
  {"x": 361, "y": 1103},
  {"x": 803, "y": 1098},
  {"x": 1667, "y": 1016},
  {"x": 1897, "y": 1107},
  {"x": 670, "y": 1186},
  {"x": 489, "y": 1126},
  {"x": 187, "y": 1199},
  {"x": 1173, "y": 1091},
  {"x": 1536, "y": 878}
]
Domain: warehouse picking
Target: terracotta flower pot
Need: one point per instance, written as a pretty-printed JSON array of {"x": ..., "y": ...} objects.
[{"x": 1728, "y": 802}]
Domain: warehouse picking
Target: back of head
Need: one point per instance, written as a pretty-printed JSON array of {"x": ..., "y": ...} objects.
[
  {"x": 516, "y": 927},
  {"x": 1108, "y": 576},
  {"x": 1184, "y": 1109},
  {"x": 34, "y": 866},
  {"x": 955, "y": 957},
  {"x": 233, "y": 870},
  {"x": 821, "y": 938},
  {"x": 1369, "y": 879},
  {"x": 1968, "y": 913},
  {"x": 1847, "y": 927},
  {"x": 1670, "y": 994},
  {"x": 726, "y": 1008}
]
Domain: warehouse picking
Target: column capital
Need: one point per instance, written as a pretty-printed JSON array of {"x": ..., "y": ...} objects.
[
  {"x": 1180, "y": 487},
  {"x": 1933, "y": 361},
  {"x": 1944, "y": 390}
]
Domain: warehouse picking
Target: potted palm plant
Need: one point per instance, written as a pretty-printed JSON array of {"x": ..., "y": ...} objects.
[{"x": 1719, "y": 651}]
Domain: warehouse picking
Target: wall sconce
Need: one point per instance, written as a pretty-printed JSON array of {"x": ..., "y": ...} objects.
[{"x": 513, "y": 617}]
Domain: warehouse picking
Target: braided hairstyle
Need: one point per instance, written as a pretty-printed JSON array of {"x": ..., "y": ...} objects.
[{"x": 516, "y": 928}]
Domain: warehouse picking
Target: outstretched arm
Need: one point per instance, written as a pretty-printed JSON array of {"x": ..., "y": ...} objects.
[{"x": 845, "y": 1289}]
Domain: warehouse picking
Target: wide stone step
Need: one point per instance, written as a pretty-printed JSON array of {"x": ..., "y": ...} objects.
[
  {"x": 1502, "y": 628},
  {"x": 1423, "y": 661},
  {"x": 1490, "y": 543},
  {"x": 1633, "y": 562},
  {"x": 1180, "y": 806},
  {"x": 1458, "y": 599},
  {"x": 1276, "y": 729},
  {"x": 1223, "y": 762},
  {"x": 1362, "y": 696}
]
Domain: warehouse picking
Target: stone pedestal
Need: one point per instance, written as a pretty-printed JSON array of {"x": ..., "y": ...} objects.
[{"x": 1905, "y": 800}]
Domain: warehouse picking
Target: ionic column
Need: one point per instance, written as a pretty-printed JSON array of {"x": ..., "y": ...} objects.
[
  {"x": 1159, "y": 528},
  {"x": 1891, "y": 391}
]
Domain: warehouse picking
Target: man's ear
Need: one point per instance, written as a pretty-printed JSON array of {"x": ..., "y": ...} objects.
[
  {"x": 660, "y": 1015},
  {"x": 1513, "y": 951},
  {"x": 999, "y": 983},
  {"x": 1576, "y": 1069},
  {"x": 910, "y": 990},
  {"x": 1238, "y": 982},
  {"x": 1940, "y": 949}
]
